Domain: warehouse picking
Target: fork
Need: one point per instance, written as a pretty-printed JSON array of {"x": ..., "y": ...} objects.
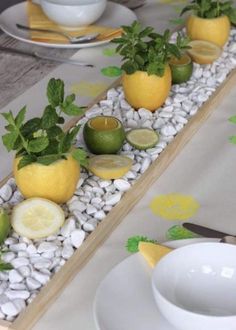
[{"x": 72, "y": 40}]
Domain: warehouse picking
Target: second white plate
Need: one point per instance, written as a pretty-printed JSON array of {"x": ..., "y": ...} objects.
[
  {"x": 124, "y": 299},
  {"x": 114, "y": 16}
]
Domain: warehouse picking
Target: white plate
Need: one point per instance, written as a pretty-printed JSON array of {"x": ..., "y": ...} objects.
[
  {"x": 124, "y": 299},
  {"x": 115, "y": 15}
]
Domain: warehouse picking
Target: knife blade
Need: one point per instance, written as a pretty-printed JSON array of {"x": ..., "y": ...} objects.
[
  {"x": 204, "y": 231},
  {"x": 44, "y": 57}
]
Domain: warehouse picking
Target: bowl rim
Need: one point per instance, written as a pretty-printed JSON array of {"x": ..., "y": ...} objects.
[
  {"x": 182, "y": 309},
  {"x": 71, "y": 4}
]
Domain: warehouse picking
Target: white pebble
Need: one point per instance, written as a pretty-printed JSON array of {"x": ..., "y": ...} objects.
[
  {"x": 15, "y": 276},
  {"x": 42, "y": 264},
  {"x": 8, "y": 256},
  {"x": 42, "y": 278},
  {"x": 168, "y": 130},
  {"x": 46, "y": 247},
  {"x": 77, "y": 205},
  {"x": 113, "y": 199},
  {"x": 18, "y": 247},
  {"x": 23, "y": 294},
  {"x": 77, "y": 237},
  {"x": 18, "y": 262},
  {"x": 3, "y": 287},
  {"x": 67, "y": 251},
  {"x": 31, "y": 249},
  {"x": 10, "y": 309},
  {"x": 6, "y": 192},
  {"x": 17, "y": 286},
  {"x": 24, "y": 271},
  {"x": 145, "y": 164},
  {"x": 68, "y": 227},
  {"x": 100, "y": 215},
  {"x": 32, "y": 284},
  {"x": 121, "y": 184},
  {"x": 20, "y": 304},
  {"x": 91, "y": 209}
]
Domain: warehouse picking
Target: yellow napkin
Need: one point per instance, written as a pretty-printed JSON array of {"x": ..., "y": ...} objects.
[
  {"x": 37, "y": 19},
  {"x": 152, "y": 253}
]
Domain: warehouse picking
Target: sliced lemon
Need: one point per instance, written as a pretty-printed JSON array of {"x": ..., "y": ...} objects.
[
  {"x": 152, "y": 253},
  {"x": 109, "y": 166},
  {"x": 37, "y": 218},
  {"x": 142, "y": 138},
  {"x": 204, "y": 52}
]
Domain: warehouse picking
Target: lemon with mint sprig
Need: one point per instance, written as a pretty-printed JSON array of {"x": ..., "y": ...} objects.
[{"x": 46, "y": 164}]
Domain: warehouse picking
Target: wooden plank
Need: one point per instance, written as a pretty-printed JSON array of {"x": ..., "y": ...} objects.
[
  {"x": 4, "y": 325},
  {"x": 59, "y": 281}
]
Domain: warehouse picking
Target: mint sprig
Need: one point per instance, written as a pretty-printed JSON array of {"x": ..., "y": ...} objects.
[
  {"x": 133, "y": 242},
  {"x": 42, "y": 140},
  {"x": 148, "y": 51},
  {"x": 211, "y": 9}
]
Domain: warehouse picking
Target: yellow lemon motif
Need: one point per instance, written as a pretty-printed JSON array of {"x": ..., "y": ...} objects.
[
  {"x": 174, "y": 206},
  {"x": 56, "y": 182}
]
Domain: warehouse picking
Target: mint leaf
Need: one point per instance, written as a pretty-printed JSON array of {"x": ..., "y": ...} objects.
[
  {"x": 50, "y": 117},
  {"x": 9, "y": 117},
  {"x": 67, "y": 140},
  {"x": 4, "y": 266},
  {"x": 31, "y": 126},
  {"x": 72, "y": 110},
  {"x": 38, "y": 144},
  {"x": 55, "y": 92},
  {"x": 9, "y": 140},
  {"x": 20, "y": 117},
  {"x": 26, "y": 160},
  {"x": 48, "y": 159},
  {"x": 232, "y": 139},
  {"x": 133, "y": 242},
  {"x": 81, "y": 156},
  {"x": 53, "y": 132}
]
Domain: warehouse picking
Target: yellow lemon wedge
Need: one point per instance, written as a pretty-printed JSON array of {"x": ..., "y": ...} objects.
[
  {"x": 109, "y": 166},
  {"x": 152, "y": 253},
  {"x": 204, "y": 52},
  {"x": 37, "y": 218}
]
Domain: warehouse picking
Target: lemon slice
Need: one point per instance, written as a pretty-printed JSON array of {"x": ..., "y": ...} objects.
[
  {"x": 37, "y": 218},
  {"x": 142, "y": 138},
  {"x": 109, "y": 166},
  {"x": 152, "y": 253},
  {"x": 204, "y": 52}
]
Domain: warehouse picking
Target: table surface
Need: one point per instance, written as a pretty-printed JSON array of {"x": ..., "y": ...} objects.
[{"x": 205, "y": 169}]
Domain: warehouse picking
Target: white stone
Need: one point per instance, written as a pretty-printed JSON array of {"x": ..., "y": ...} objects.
[
  {"x": 180, "y": 119},
  {"x": 131, "y": 123},
  {"x": 130, "y": 175},
  {"x": 145, "y": 164},
  {"x": 10, "y": 309},
  {"x": 13, "y": 294},
  {"x": 24, "y": 271},
  {"x": 22, "y": 254},
  {"x": 67, "y": 251},
  {"x": 144, "y": 113},
  {"x": 77, "y": 237},
  {"x": 165, "y": 114},
  {"x": 68, "y": 227},
  {"x": 15, "y": 276},
  {"x": 121, "y": 184},
  {"x": 32, "y": 284},
  {"x": 100, "y": 215},
  {"x": 31, "y": 249},
  {"x": 18, "y": 247},
  {"x": 11, "y": 241},
  {"x": 42, "y": 264},
  {"x": 20, "y": 304},
  {"x": 77, "y": 205},
  {"x": 3, "y": 287},
  {"x": 90, "y": 225},
  {"x": 8, "y": 256},
  {"x": 18, "y": 262},
  {"x": 124, "y": 105},
  {"x": 17, "y": 286},
  {"x": 3, "y": 299},
  {"x": 3, "y": 276},
  {"x": 6, "y": 192},
  {"x": 168, "y": 130},
  {"x": 97, "y": 190},
  {"x": 158, "y": 123},
  {"x": 46, "y": 247},
  {"x": 48, "y": 255},
  {"x": 91, "y": 209},
  {"x": 113, "y": 199},
  {"x": 42, "y": 278}
]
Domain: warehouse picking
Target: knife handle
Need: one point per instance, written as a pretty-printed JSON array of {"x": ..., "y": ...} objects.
[{"x": 204, "y": 231}]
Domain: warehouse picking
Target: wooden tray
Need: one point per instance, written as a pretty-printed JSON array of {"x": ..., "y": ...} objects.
[{"x": 81, "y": 256}]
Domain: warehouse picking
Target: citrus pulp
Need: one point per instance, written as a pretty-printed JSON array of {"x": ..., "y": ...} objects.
[
  {"x": 142, "y": 138},
  {"x": 203, "y": 52}
]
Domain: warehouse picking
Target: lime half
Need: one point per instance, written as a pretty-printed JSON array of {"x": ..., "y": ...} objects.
[
  {"x": 142, "y": 138},
  {"x": 5, "y": 225},
  {"x": 181, "y": 69}
]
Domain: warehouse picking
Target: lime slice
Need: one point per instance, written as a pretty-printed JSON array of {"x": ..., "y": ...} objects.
[
  {"x": 5, "y": 225},
  {"x": 181, "y": 69},
  {"x": 142, "y": 138},
  {"x": 104, "y": 135},
  {"x": 37, "y": 218},
  {"x": 109, "y": 166},
  {"x": 204, "y": 52}
]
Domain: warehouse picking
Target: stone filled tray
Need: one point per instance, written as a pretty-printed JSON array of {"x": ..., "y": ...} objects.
[{"x": 42, "y": 268}]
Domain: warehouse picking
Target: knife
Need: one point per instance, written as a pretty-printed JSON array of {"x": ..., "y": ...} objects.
[
  {"x": 44, "y": 57},
  {"x": 204, "y": 231}
]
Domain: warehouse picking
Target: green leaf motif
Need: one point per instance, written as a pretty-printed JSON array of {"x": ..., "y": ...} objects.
[
  {"x": 232, "y": 119},
  {"x": 110, "y": 52},
  {"x": 55, "y": 91},
  {"x": 38, "y": 144},
  {"x": 20, "y": 117},
  {"x": 48, "y": 159},
  {"x": 232, "y": 139},
  {"x": 9, "y": 140},
  {"x": 111, "y": 71},
  {"x": 4, "y": 266},
  {"x": 30, "y": 127},
  {"x": 73, "y": 110},
  {"x": 178, "y": 232},
  {"x": 133, "y": 242},
  {"x": 81, "y": 156}
]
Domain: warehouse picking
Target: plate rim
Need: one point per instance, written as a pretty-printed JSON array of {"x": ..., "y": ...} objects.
[
  {"x": 53, "y": 45},
  {"x": 171, "y": 244}
]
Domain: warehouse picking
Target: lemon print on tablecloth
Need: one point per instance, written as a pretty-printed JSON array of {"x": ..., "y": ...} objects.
[
  {"x": 85, "y": 88},
  {"x": 174, "y": 206}
]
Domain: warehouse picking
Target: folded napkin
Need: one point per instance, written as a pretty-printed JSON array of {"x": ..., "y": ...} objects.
[
  {"x": 37, "y": 19},
  {"x": 152, "y": 253}
]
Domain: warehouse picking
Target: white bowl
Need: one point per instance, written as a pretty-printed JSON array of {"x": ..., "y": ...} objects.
[
  {"x": 195, "y": 287},
  {"x": 73, "y": 13}
]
